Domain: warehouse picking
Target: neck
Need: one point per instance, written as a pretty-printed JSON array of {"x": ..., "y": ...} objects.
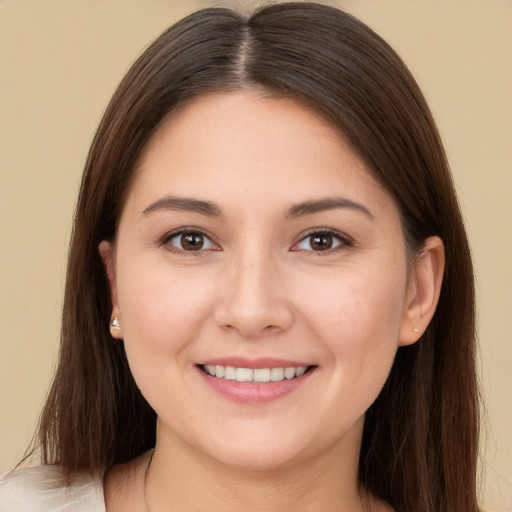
[{"x": 180, "y": 478}]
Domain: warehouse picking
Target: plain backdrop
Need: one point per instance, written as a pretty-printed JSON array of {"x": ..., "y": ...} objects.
[{"x": 59, "y": 64}]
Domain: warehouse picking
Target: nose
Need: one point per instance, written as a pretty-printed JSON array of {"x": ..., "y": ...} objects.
[{"x": 253, "y": 300}]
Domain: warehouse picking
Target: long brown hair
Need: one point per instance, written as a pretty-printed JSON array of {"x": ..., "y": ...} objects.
[{"x": 419, "y": 446}]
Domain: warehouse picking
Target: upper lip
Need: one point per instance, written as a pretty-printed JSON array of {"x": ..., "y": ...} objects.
[{"x": 260, "y": 362}]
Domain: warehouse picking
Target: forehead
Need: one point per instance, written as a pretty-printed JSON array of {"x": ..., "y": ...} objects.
[{"x": 246, "y": 144}]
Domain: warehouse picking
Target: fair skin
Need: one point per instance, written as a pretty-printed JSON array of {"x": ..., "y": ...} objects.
[{"x": 253, "y": 237}]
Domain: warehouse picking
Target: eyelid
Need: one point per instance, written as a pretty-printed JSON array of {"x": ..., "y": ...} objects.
[
  {"x": 188, "y": 230},
  {"x": 345, "y": 240}
]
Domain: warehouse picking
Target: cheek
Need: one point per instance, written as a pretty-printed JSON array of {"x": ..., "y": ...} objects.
[
  {"x": 356, "y": 303},
  {"x": 163, "y": 314},
  {"x": 161, "y": 311},
  {"x": 356, "y": 317}
]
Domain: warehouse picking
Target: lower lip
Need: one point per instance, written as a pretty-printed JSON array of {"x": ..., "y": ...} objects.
[{"x": 254, "y": 392}]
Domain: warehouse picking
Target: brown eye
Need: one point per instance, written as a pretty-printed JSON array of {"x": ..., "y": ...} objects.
[
  {"x": 321, "y": 241},
  {"x": 190, "y": 241}
]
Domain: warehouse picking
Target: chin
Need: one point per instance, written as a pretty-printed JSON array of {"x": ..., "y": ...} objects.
[
  {"x": 271, "y": 451},
  {"x": 257, "y": 459}
]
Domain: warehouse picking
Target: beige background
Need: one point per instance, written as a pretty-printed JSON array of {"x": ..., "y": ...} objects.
[{"x": 59, "y": 64}]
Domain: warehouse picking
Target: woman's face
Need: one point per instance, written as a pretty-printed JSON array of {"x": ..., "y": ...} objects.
[{"x": 255, "y": 245}]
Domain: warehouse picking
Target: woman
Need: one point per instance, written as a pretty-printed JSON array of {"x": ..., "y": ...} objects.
[{"x": 269, "y": 300}]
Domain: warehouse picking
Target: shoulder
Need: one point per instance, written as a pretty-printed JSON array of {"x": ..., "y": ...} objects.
[{"x": 43, "y": 488}]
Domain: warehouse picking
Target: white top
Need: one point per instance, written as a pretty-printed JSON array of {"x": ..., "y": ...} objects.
[{"x": 43, "y": 489}]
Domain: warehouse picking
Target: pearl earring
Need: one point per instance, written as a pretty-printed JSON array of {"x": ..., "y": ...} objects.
[{"x": 115, "y": 324}]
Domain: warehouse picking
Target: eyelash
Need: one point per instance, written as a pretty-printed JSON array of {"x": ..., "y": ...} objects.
[
  {"x": 188, "y": 231},
  {"x": 343, "y": 241}
]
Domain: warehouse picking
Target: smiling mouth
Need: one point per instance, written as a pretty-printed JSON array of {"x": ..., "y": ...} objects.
[{"x": 257, "y": 375}]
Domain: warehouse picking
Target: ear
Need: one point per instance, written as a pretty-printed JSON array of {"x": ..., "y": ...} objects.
[
  {"x": 107, "y": 252},
  {"x": 423, "y": 291}
]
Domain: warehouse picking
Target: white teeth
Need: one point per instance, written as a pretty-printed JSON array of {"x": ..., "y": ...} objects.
[
  {"x": 289, "y": 373},
  {"x": 300, "y": 371},
  {"x": 276, "y": 374},
  {"x": 243, "y": 374},
  {"x": 229, "y": 373},
  {"x": 261, "y": 375},
  {"x": 256, "y": 375}
]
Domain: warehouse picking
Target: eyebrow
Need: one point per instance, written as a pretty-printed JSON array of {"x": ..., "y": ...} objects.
[
  {"x": 184, "y": 204},
  {"x": 212, "y": 210},
  {"x": 328, "y": 203}
]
